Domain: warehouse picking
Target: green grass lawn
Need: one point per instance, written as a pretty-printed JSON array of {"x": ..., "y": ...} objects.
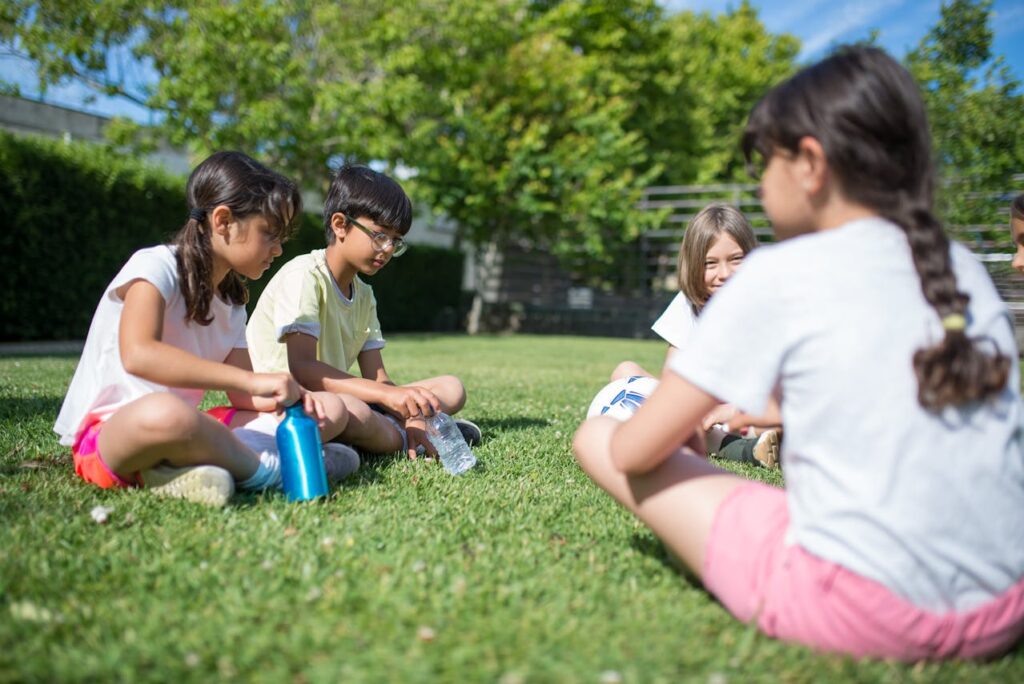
[{"x": 519, "y": 571}]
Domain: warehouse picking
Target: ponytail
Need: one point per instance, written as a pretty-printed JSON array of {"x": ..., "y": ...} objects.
[
  {"x": 195, "y": 271},
  {"x": 247, "y": 188},
  {"x": 955, "y": 371}
]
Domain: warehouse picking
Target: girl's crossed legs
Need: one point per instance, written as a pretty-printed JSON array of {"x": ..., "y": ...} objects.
[
  {"x": 731, "y": 533},
  {"x": 162, "y": 428}
]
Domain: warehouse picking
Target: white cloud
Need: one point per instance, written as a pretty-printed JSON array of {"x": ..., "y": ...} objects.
[{"x": 844, "y": 19}]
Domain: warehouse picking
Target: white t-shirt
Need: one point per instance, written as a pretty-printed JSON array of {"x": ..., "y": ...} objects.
[
  {"x": 676, "y": 323},
  {"x": 929, "y": 505},
  {"x": 101, "y": 385}
]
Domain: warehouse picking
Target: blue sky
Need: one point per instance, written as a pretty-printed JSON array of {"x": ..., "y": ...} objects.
[{"x": 818, "y": 24}]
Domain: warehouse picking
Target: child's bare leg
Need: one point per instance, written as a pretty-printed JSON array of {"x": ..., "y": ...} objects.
[
  {"x": 449, "y": 389},
  {"x": 335, "y": 418},
  {"x": 367, "y": 429},
  {"x": 627, "y": 369},
  {"x": 677, "y": 500},
  {"x": 161, "y": 427}
]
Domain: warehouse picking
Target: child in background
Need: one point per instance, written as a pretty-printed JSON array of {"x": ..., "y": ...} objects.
[
  {"x": 316, "y": 317},
  {"x": 170, "y": 325},
  {"x": 1017, "y": 229},
  {"x": 716, "y": 241},
  {"x": 906, "y": 541}
]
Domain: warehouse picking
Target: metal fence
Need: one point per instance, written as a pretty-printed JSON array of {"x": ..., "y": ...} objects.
[{"x": 533, "y": 292}]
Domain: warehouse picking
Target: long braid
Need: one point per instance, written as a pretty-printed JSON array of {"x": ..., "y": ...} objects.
[
  {"x": 954, "y": 371},
  {"x": 867, "y": 113}
]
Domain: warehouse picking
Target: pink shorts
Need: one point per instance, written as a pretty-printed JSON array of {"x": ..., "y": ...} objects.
[
  {"x": 795, "y": 596},
  {"x": 91, "y": 467}
]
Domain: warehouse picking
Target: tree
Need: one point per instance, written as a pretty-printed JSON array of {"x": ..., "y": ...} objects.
[{"x": 975, "y": 109}]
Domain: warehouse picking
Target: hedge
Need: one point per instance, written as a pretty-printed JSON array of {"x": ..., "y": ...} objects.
[{"x": 74, "y": 212}]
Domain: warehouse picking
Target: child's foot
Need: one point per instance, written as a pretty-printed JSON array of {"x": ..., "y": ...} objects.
[
  {"x": 205, "y": 484},
  {"x": 470, "y": 431},
  {"x": 766, "y": 449},
  {"x": 340, "y": 461}
]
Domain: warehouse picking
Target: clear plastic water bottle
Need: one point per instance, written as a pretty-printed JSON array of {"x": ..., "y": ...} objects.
[
  {"x": 444, "y": 434},
  {"x": 303, "y": 476}
]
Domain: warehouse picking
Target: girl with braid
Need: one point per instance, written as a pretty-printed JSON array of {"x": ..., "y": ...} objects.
[
  {"x": 170, "y": 325},
  {"x": 900, "y": 532}
]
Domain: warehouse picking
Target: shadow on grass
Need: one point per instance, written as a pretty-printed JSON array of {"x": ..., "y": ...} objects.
[
  {"x": 649, "y": 545},
  {"x": 491, "y": 427},
  {"x": 20, "y": 408}
]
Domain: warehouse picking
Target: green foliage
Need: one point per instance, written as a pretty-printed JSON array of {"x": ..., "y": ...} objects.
[
  {"x": 419, "y": 291},
  {"x": 526, "y": 119},
  {"x": 726, "y": 63},
  {"x": 519, "y": 571},
  {"x": 76, "y": 212},
  {"x": 976, "y": 112},
  {"x": 73, "y": 214}
]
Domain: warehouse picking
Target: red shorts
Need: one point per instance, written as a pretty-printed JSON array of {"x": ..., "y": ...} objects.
[{"x": 89, "y": 464}]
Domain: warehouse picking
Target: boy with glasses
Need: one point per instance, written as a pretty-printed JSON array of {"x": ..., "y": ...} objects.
[{"x": 316, "y": 318}]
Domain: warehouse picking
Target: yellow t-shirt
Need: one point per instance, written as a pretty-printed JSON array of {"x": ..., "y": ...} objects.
[{"x": 304, "y": 297}]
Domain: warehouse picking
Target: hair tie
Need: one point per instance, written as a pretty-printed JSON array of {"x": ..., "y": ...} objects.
[
  {"x": 197, "y": 214},
  {"x": 954, "y": 323}
]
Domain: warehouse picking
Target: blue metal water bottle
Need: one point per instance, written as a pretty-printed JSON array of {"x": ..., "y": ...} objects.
[{"x": 302, "y": 463}]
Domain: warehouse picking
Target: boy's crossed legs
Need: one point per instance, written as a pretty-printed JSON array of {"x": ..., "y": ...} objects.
[{"x": 372, "y": 430}]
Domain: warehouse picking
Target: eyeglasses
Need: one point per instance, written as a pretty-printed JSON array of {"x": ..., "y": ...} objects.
[{"x": 381, "y": 241}]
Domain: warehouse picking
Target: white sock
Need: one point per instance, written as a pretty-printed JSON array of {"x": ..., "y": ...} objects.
[{"x": 267, "y": 475}]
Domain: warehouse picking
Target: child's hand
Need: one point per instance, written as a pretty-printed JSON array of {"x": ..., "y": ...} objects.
[
  {"x": 411, "y": 401},
  {"x": 416, "y": 436},
  {"x": 312, "y": 402},
  {"x": 722, "y": 413},
  {"x": 281, "y": 387}
]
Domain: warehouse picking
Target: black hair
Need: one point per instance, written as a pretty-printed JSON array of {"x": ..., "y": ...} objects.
[
  {"x": 360, "y": 191},
  {"x": 1017, "y": 207},
  {"x": 247, "y": 188},
  {"x": 867, "y": 113}
]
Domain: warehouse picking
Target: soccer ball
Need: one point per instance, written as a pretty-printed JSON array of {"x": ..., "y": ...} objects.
[{"x": 621, "y": 398}]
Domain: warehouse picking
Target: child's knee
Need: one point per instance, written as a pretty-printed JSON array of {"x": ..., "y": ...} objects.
[
  {"x": 591, "y": 442},
  {"x": 454, "y": 392},
  {"x": 356, "y": 410},
  {"x": 335, "y": 413},
  {"x": 627, "y": 369},
  {"x": 164, "y": 417}
]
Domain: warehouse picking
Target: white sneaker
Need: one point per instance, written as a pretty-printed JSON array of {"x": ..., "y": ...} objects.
[
  {"x": 340, "y": 461},
  {"x": 205, "y": 484}
]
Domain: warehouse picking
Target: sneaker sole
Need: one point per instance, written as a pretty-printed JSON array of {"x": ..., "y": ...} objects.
[
  {"x": 207, "y": 485},
  {"x": 766, "y": 451}
]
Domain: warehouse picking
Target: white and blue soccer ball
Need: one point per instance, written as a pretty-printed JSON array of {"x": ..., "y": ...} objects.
[{"x": 621, "y": 398}]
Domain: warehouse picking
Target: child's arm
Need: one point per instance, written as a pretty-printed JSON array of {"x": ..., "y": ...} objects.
[
  {"x": 239, "y": 358},
  {"x": 143, "y": 353},
  {"x": 734, "y": 419},
  {"x": 317, "y": 375},
  {"x": 663, "y": 423}
]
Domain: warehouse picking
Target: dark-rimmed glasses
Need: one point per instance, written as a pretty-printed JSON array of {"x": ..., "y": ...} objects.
[{"x": 381, "y": 241}]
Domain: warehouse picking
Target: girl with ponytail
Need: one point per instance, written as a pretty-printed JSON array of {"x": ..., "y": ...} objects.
[
  {"x": 900, "y": 532},
  {"x": 170, "y": 325}
]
